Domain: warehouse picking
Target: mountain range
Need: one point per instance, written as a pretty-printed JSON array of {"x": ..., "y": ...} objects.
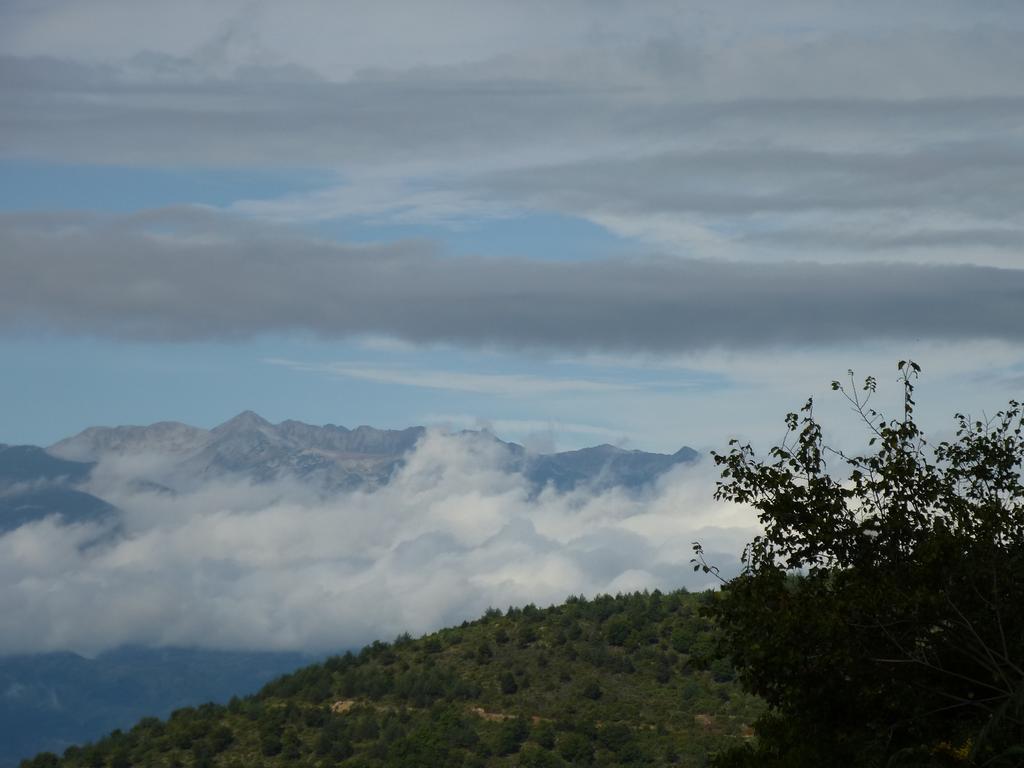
[
  {"x": 336, "y": 458},
  {"x": 49, "y": 700},
  {"x": 170, "y": 457}
]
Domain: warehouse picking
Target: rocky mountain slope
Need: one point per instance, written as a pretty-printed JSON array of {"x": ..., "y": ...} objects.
[{"x": 335, "y": 458}]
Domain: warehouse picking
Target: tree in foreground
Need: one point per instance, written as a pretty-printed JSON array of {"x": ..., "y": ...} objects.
[{"x": 881, "y": 612}]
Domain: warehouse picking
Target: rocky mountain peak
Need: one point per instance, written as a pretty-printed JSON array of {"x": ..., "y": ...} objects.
[{"x": 246, "y": 421}]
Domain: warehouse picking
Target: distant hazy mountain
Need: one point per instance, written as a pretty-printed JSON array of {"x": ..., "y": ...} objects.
[
  {"x": 331, "y": 457},
  {"x": 603, "y": 466},
  {"x": 169, "y": 457},
  {"x": 35, "y": 484},
  {"x": 335, "y": 458},
  {"x": 21, "y": 463},
  {"x": 49, "y": 701}
]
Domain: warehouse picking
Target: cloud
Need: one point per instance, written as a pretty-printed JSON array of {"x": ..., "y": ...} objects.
[
  {"x": 531, "y": 427},
  {"x": 805, "y": 132},
  {"x": 234, "y": 565},
  {"x": 949, "y": 201},
  {"x": 339, "y": 41},
  {"x": 191, "y": 274},
  {"x": 458, "y": 381}
]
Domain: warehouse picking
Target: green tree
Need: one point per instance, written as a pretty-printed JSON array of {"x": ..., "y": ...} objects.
[
  {"x": 544, "y": 734},
  {"x": 291, "y": 745},
  {"x": 507, "y": 683},
  {"x": 270, "y": 742},
  {"x": 576, "y": 748},
  {"x": 617, "y": 630},
  {"x": 591, "y": 689},
  {"x": 879, "y": 612},
  {"x": 511, "y": 734},
  {"x": 42, "y": 760}
]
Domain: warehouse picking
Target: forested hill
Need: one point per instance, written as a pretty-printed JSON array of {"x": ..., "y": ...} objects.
[{"x": 615, "y": 681}]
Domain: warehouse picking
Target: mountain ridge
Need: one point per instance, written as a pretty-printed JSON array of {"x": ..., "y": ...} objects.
[
  {"x": 172, "y": 457},
  {"x": 339, "y": 458}
]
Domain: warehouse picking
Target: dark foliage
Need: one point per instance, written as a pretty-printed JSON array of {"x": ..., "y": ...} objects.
[{"x": 879, "y": 614}]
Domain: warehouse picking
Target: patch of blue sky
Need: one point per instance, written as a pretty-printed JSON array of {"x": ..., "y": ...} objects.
[
  {"x": 498, "y": 369},
  {"x": 54, "y": 386},
  {"x": 57, "y": 385},
  {"x": 35, "y": 186},
  {"x": 537, "y": 235},
  {"x": 39, "y": 186}
]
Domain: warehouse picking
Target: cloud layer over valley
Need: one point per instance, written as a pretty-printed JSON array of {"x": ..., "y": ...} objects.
[{"x": 236, "y": 564}]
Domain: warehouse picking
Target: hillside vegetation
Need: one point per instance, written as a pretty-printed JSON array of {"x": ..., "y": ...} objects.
[{"x": 615, "y": 681}]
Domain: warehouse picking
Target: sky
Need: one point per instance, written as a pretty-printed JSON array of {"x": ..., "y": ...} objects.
[{"x": 651, "y": 224}]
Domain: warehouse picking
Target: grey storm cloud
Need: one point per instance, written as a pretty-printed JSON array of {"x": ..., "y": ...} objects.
[{"x": 191, "y": 274}]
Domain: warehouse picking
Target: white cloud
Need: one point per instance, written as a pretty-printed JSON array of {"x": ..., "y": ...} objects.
[
  {"x": 236, "y": 565},
  {"x": 513, "y": 384},
  {"x": 378, "y": 200},
  {"x": 545, "y": 430}
]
